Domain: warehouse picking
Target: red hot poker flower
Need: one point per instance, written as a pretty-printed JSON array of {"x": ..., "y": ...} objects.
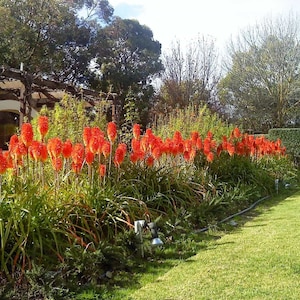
[
  {"x": 194, "y": 137},
  {"x": 76, "y": 168},
  {"x": 150, "y": 161},
  {"x": 78, "y": 154},
  {"x": 136, "y": 131},
  {"x": 120, "y": 154},
  {"x": 57, "y": 163},
  {"x": 134, "y": 157},
  {"x": 230, "y": 148},
  {"x": 44, "y": 153},
  {"x": 43, "y": 125},
  {"x": 236, "y": 133},
  {"x": 67, "y": 149},
  {"x": 34, "y": 150},
  {"x": 112, "y": 131},
  {"x": 89, "y": 157},
  {"x": 54, "y": 147},
  {"x": 14, "y": 140},
  {"x": 3, "y": 163},
  {"x": 9, "y": 159},
  {"x": 156, "y": 152},
  {"x": 210, "y": 157},
  {"x": 106, "y": 149},
  {"x": 27, "y": 134},
  {"x": 86, "y": 135},
  {"x": 102, "y": 170}
]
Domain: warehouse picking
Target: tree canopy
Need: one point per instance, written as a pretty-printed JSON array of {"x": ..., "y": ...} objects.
[
  {"x": 190, "y": 76},
  {"x": 48, "y": 37},
  {"x": 261, "y": 87},
  {"x": 80, "y": 42},
  {"x": 128, "y": 58}
]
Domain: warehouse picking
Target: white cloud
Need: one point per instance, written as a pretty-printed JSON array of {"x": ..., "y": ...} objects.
[{"x": 184, "y": 20}]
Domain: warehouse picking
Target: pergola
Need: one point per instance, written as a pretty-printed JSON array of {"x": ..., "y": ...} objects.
[{"x": 24, "y": 94}]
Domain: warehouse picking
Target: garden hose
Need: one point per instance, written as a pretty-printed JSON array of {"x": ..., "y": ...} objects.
[{"x": 234, "y": 215}]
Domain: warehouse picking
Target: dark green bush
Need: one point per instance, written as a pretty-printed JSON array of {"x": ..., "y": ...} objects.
[{"x": 290, "y": 138}]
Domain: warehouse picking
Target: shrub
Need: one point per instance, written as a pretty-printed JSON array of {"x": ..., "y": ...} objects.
[{"x": 290, "y": 138}]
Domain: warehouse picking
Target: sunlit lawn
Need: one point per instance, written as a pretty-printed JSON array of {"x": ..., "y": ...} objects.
[{"x": 261, "y": 260}]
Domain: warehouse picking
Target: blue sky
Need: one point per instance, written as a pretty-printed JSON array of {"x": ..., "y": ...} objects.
[
  {"x": 128, "y": 11},
  {"x": 172, "y": 20}
]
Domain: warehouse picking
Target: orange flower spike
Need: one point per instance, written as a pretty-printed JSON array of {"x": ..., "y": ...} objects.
[
  {"x": 20, "y": 150},
  {"x": 120, "y": 154},
  {"x": 3, "y": 163},
  {"x": 13, "y": 142},
  {"x": 219, "y": 149},
  {"x": 199, "y": 144},
  {"x": 54, "y": 147},
  {"x": 67, "y": 149},
  {"x": 188, "y": 144},
  {"x": 135, "y": 145},
  {"x": 89, "y": 157},
  {"x": 27, "y": 134},
  {"x": 136, "y": 131},
  {"x": 150, "y": 161},
  {"x": 134, "y": 157},
  {"x": 102, "y": 170},
  {"x": 149, "y": 132},
  {"x": 96, "y": 131},
  {"x": 57, "y": 163},
  {"x": 86, "y": 135},
  {"x": 34, "y": 150},
  {"x": 194, "y": 137},
  {"x": 123, "y": 147},
  {"x": 94, "y": 144},
  {"x": 145, "y": 143},
  {"x": 43, "y": 126},
  {"x": 230, "y": 149},
  {"x": 177, "y": 137},
  {"x": 112, "y": 131},
  {"x": 106, "y": 149},
  {"x": 76, "y": 168},
  {"x": 9, "y": 159},
  {"x": 236, "y": 133},
  {"x": 192, "y": 154},
  {"x": 209, "y": 135},
  {"x": 206, "y": 146},
  {"x": 210, "y": 157},
  {"x": 157, "y": 152},
  {"x": 186, "y": 155},
  {"x": 78, "y": 154},
  {"x": 44, "y": 153}
]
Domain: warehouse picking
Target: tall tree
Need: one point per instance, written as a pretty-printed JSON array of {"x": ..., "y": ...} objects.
[
  {"x": 49, "y": 37},
  {"x": 190, "y": 76},
  {"x": 128, "y": 59},
  {"x": 261, "y": 87}
]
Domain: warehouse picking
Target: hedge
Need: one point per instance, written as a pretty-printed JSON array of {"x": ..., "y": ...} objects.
[{"x": 290, "y": 138}]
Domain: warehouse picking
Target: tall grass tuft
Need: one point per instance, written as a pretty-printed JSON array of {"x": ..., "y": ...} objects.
[{"x": 189, "y": 119}]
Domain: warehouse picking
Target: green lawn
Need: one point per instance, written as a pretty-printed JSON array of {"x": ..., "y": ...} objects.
[{"x": 260, "y": 260}]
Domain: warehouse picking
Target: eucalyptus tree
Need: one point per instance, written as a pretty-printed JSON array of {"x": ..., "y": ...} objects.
[
  {"x": 50, "y": 37},
  {"x": 261, "y": 86},
  {"x": 81, "y": 42},
  {"x": 128, "y": 60}
]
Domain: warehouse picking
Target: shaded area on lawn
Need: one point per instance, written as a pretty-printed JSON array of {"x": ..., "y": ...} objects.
[{"x": 258, "y": 260}]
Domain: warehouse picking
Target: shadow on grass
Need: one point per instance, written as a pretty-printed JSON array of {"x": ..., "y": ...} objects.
[
  {"x": 182, "y": 250},
  {"x": 238, "y": 222}
]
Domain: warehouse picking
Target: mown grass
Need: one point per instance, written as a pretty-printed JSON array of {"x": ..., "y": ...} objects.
[{"x": 259, "y": 260}]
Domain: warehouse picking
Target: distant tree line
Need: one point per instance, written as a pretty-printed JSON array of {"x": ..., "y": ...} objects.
[{"x": 82, "y": 42}]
